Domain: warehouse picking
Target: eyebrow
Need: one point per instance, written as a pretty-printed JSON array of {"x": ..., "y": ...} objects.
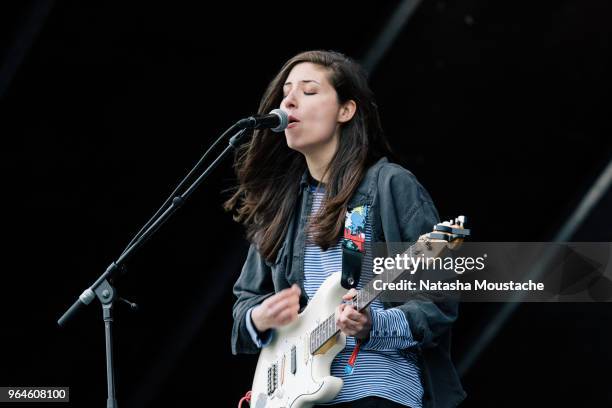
[{"x": 304, "y": 81}]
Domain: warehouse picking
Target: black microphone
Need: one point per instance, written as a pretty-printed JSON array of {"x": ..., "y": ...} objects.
[{"x": 277, "y": 121}]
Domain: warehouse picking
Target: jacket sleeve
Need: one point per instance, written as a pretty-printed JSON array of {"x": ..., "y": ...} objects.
[
  {"x": 252, "y": 287},
  {"x": 407, "y": 212}
]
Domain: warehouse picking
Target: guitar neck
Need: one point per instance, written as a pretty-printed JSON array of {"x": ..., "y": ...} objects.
[{"x": 328, "y": 329}]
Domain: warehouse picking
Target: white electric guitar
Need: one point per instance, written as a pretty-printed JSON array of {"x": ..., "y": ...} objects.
[{"x": 293, "y": 371}]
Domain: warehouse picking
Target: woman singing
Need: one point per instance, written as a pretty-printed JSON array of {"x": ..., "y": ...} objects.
[{"x": 293, "y": 196}]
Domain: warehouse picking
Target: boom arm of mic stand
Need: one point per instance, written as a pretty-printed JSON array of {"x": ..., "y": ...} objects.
[{"x": 89, "y": 294}]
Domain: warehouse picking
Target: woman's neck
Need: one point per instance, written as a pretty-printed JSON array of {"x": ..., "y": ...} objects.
[
  {"x": 319, "y": 159},
  {"x": 317, "y": 170}
]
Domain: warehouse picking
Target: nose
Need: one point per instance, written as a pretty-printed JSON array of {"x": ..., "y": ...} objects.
[{"x": 290, "y": 101}]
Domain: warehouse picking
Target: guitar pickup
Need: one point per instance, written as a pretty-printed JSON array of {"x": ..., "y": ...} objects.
[{"x": 272, "y": 378}]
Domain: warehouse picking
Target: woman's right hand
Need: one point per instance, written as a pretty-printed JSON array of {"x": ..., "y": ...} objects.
[{"x": 278, "y": 310}]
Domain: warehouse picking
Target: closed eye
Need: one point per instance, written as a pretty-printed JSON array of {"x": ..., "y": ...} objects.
[{"x": 305, "y": 93}]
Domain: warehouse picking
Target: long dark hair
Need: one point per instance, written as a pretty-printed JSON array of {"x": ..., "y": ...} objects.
[{"x": 269, "y": 171}]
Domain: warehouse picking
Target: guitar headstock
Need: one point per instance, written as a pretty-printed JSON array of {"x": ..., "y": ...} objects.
[{"x": 451, "y": 233}]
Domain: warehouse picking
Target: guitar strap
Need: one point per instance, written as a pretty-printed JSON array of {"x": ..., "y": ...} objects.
[
  {"x": 353, "y": 249},
  {"x": 353, "y": 245}
]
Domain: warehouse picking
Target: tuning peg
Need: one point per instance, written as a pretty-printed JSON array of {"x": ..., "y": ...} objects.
[{"x": 460, "y": 220}]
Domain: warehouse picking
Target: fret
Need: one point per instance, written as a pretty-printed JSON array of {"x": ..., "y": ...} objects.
[
  {"x": 322, "y": 333},
  {"x": 322, "y": 341},
  {"x": 373, "y": 292},
  {"x": 325, "y": 329},
  {"x": 314, "y": 340},
  {"x": 313, "y": 346},
  {"x": 311, "y": 342},
  {"x": 369, "y": 294}
]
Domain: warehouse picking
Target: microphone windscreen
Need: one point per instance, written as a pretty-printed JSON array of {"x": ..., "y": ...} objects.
[{"x": 283, "y": 120}]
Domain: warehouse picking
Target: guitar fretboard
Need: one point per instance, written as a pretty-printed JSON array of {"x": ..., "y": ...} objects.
[{"x": 327, "y": 328}]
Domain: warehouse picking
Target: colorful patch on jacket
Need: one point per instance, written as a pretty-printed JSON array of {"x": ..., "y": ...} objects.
[{"x": 354, "y": 228}]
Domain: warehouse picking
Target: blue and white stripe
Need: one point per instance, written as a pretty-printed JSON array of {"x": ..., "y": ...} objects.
[{"x": 380, "y": 370}]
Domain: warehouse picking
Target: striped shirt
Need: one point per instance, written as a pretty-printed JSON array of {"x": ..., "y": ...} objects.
[{"x": 380, "y": 369}]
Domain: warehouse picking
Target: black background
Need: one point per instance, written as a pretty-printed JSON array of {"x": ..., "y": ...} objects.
[{"x": 501, "y": 109}]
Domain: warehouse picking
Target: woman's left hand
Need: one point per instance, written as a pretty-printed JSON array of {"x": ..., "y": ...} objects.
[{"x": 350, "y": 321}]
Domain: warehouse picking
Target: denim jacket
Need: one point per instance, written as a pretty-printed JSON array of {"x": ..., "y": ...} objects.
[{"x": 400, "y": 211}]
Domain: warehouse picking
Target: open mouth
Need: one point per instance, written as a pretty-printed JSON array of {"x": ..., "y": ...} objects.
[{"x": 292, "y": 121}]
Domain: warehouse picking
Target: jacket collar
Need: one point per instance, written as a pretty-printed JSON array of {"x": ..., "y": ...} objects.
[
  {"x": 304, "y": 180},
  {"x": 365, "y": 185}
]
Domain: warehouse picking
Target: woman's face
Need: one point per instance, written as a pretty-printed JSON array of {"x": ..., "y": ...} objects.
[{"x": 311, "y": 100}]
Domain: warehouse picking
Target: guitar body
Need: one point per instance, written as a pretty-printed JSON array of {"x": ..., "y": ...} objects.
[{"x": 287, "y": 374}]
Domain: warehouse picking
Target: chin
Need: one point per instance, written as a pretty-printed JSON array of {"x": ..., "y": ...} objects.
[
  {"x": 303, "y": 143},
  {"x": 294, "y": 143}
]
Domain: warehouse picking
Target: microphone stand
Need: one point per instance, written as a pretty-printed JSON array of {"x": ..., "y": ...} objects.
[{"x": 102, "y": 287}]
